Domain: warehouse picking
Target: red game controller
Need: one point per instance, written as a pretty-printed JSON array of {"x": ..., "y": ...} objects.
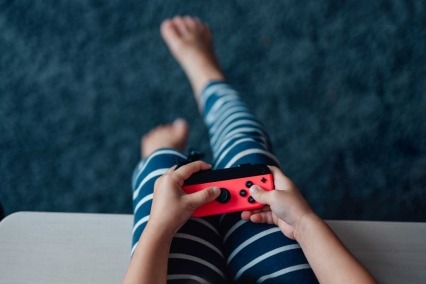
[{"x": 234, "y": 184}]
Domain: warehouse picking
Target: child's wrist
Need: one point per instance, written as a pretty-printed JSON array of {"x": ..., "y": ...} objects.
[
  {"x": 159, "y": 231},
  {"x": 304, "y": 225}
]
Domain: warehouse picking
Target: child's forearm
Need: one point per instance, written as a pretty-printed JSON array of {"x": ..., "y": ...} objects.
[
  {"x": 149, "y": 261},
  {"x": 328, "y": 257}
]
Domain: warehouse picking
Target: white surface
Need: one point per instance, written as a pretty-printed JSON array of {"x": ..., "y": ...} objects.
[
  {"x": 95, "y": 248},
  {"x": 393, "y": 252},
  {"x": 64, "y": 248}
]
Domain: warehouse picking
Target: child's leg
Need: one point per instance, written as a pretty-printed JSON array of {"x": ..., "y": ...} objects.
[
  {"x": 236, "y": 136},
  {"x": 254, "y": 252},
  {"x": 196, "y": 251}
]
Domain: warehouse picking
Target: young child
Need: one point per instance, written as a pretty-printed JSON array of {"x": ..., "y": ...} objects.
[{"x": 283, "y": 242}]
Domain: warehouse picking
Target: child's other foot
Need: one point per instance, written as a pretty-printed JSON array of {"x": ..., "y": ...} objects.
[
  {"x": 190, "y": 42},
  {"x": 172, "y": 135}
]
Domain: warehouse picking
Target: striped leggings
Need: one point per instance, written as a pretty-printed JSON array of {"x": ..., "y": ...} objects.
[{"x": 224, "y": 248}]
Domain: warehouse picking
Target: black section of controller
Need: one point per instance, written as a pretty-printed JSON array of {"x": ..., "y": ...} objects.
[{"x": 245, "y": 170}]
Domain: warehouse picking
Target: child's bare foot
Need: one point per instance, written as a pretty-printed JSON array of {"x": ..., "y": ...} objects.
[
  {"x": 172, "y": 135},
  {"x": 190, "y": 42}
]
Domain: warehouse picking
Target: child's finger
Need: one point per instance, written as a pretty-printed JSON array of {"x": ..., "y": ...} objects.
[
  {"x": 203, "y": 196},
  {"x": 245, "y": 215},
  {"x": 187, "y": 170},
  {"x": 172, "y": 169},
  {"x": 260, "y": 195},
  {"x": 263, "y": 217},
  {"x": 282, "y": 182}
]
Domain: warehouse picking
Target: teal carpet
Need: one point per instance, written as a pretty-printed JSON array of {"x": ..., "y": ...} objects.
[{"x": 340, "y": 85}]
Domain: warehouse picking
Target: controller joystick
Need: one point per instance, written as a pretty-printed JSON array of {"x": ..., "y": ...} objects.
[{"x": 224, "y": 196}]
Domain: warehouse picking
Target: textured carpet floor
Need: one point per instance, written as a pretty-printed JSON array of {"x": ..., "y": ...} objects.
[{"x": 341, "y": 88}]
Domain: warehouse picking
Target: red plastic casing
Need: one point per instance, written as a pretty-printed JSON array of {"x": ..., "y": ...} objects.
[{"x": 234, "y": 180}]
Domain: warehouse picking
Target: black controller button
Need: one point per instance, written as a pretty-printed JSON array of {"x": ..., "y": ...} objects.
[
  {"x": 263, "y": 180},
  {"x": 224, "y": 196},
  {"x": 249, "y": 184},
  {"x": 243, "y": 192},
  {"x": 251, "y": 200}
]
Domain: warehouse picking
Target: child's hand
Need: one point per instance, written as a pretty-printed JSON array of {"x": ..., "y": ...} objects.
[
  {"x": 171, "y": 206},
  {"x": 285, "y": 208}
]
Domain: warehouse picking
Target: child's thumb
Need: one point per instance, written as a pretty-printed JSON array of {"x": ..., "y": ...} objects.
[
  {"x": 259, "y": 194},
  {"x": 204, "y": 196}
]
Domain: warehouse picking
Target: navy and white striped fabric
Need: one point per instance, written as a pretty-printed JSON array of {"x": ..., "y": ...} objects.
[{"x": 223, "y": 249}]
